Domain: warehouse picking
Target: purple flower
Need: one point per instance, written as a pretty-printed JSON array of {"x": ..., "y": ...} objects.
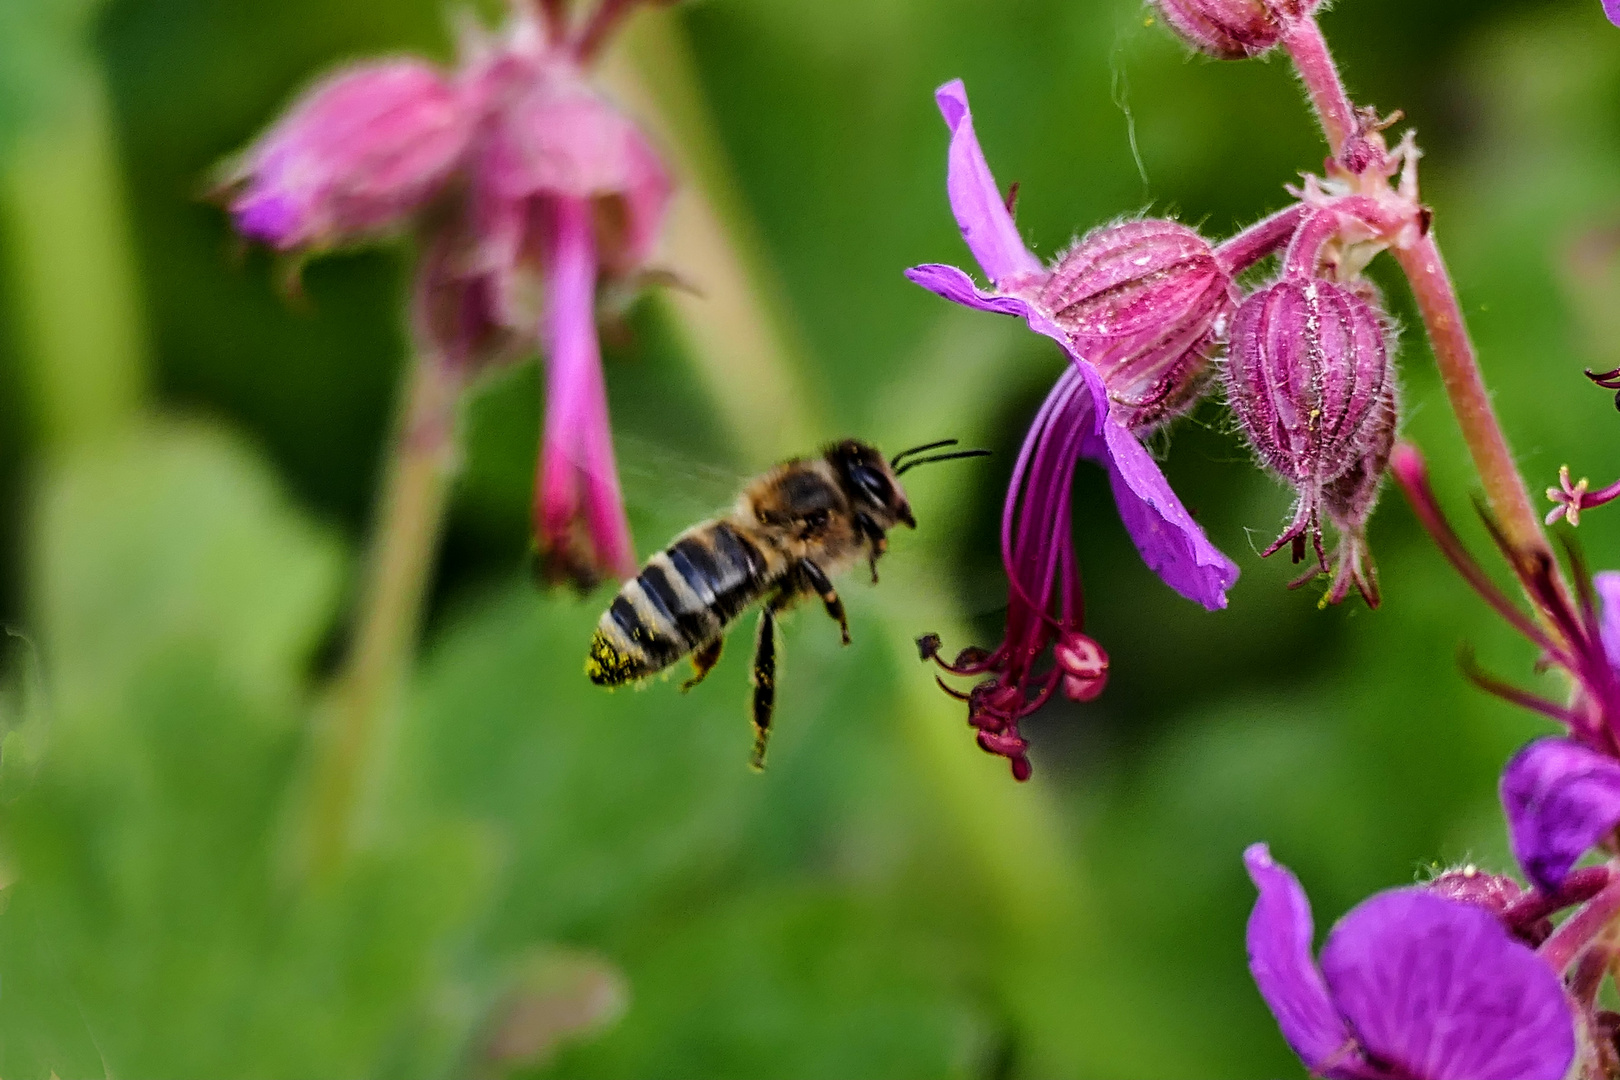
[
  {"x": 1611, "y": 8},
  {"x": 1081, "y": 418},
  {"x": 1562, "y": 799},
  {"x": 1411, "y": 985},
  {"x": 526, "y": 188}
]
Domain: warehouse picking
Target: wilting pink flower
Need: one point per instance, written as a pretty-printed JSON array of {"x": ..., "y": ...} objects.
[
  {"x": 1411, "y": 985},
  {"x": 1152, "y": 334},
  {"x": 355, "y": 155},
  {"x": 1232, "y": 29},
  {"x": 526, "y": 188}
]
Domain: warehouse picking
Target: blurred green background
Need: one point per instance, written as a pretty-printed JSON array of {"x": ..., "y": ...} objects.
[{"x": 557, "y": 881}]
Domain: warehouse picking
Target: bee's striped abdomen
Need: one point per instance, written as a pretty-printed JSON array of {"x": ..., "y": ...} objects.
[{"x": 683, "y": 598}]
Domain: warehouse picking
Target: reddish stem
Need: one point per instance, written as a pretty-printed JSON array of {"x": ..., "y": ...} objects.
[
  {"x": 1575, "y": 932},
  {"x": 1470, "y": 400},
  {"x": 1266, "y": 236},
  {"x": 1309, "y": 51},
  {"x": 1412, "y": 475}
]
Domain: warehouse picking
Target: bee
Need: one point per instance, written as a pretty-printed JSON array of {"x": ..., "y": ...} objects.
[{"x": 792, "y": 530}]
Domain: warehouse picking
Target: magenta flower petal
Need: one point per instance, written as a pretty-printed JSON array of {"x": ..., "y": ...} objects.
[
  {"x": 581, "y": 524},
  {"x": 356, "y": 154},
  {"x": 956, "y": 286},
  {"x": 1607, "y": 585},
  {"x": 977, "y": 203},
  {"x": 1561, "y": 800},
  {"x": 1437, "y": 989},
  {"x": 1279, "y": 941},
  {"x": 1169, "y": 540},
  {"x": 1611, "y": 8}
]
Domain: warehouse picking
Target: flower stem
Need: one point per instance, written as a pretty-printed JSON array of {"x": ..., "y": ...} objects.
[
  {"x": 1309, "y": 51},
  {"x": 1470, "y": 400},
  {"x": 1575, "y": 932},
  {"x": 404, "y": 540},
  {"x": 1237, "y": 253}
]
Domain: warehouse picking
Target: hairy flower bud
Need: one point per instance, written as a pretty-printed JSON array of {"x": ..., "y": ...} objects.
[
  {"x": 353, "y": 156},
  {"x": 1471, "y": 885},
  {"x": 1232, "y": 29},
  {"x": 1308, "y": 375},
  {"x": 1144, "y": 302}
]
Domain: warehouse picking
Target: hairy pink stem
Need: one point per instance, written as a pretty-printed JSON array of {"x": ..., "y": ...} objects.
[
  {"x": 1237, "y": 253},
  {"x": 1575, "y": 932},
  {"x": 1309, "y": 51},
  {"x": 1470, "y": 400}
]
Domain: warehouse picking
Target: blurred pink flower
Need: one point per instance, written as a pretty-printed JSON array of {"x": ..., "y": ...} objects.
[{"x": 526, "y": 188}]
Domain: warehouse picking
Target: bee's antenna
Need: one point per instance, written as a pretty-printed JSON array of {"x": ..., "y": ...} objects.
[
  {"x": 894, "y": 462},
  {"x": 914, "y": 462}
]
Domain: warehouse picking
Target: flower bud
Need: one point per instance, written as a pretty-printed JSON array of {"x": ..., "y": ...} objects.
[
  {"x": 1349, "y": 501},
  {"x": 1232, "y": 29},
  {"x": 1144, "y": 302},
  {"x": 1501, "y": 896},
  {"x": 1471, "y": 885},
  {"x": 1308, "y": 376},
  {"x": 1084, "y": 665},
  {"x": 353, "y": 156}
]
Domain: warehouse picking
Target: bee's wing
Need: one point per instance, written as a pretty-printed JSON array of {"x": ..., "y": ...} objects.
[{"x": 671, "y": 488}]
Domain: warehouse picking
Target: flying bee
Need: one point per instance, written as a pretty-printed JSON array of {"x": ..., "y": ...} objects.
[{"x": 791, "y": 532}]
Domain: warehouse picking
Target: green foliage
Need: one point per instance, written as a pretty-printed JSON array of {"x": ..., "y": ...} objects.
[{"x": 151, "y": 929}]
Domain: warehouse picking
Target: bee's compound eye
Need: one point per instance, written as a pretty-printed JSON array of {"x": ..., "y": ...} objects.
[{"x": 873, "y": 484}]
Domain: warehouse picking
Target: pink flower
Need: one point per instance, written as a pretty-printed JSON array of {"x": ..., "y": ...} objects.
[
  {"x": 526, "y": 189},
  {"x": 355, "y": 155},
  {"x": 1135, "y": 309}
]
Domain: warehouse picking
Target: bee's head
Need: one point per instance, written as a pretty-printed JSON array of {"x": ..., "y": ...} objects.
[{"x": 871, "y": 483}]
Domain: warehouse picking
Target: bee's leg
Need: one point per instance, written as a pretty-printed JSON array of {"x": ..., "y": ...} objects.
[
  {"x": 703, "y": 662},
  {"x": 764, "y": 679},
  {"x": 878, "y": 540},
  {"x": 829, "y": 595}
]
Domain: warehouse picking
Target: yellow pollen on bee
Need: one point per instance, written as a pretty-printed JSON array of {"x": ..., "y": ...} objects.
[{"x": 605, "y": 664}]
